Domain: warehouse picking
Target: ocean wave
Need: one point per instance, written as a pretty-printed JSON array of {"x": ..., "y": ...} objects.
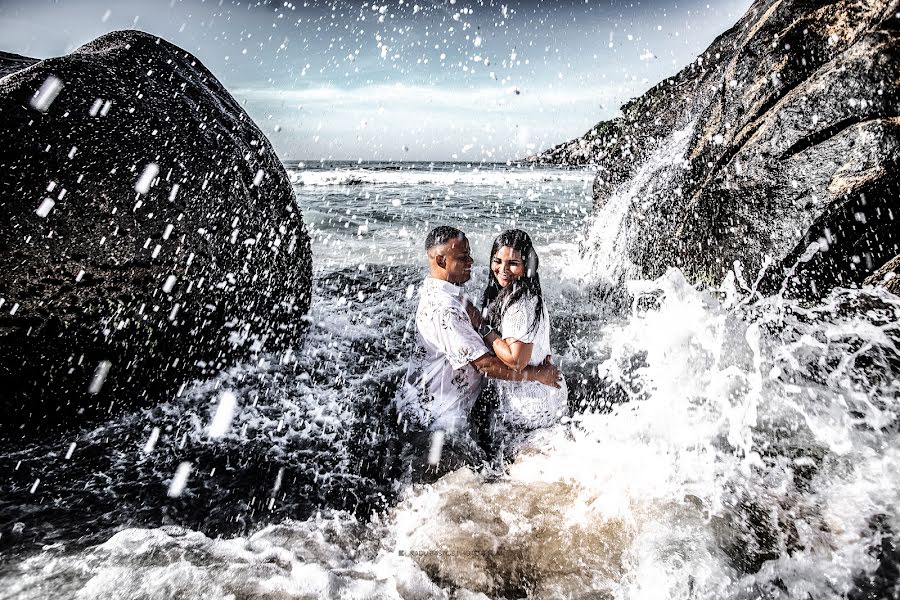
[
  {"x": 749, "y": 460},
  {"x": 323, "y": 557},
  {"x": 475, "y": 177}
]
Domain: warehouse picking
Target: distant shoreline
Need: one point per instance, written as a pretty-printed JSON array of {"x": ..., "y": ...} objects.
[{"x": 372, "y": 162}]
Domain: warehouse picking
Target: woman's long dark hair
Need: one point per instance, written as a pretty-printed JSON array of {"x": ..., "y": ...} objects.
[{"x": 496, "y": 299}]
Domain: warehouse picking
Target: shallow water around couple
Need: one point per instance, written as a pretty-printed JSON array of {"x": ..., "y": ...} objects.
[
  {"x": 308, "y": 426},
  {"x": 722, "y": 445}
]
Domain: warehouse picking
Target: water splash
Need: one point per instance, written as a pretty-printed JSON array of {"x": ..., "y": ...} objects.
[
  {"x": 756, "y": 456},
  {"x": 609, "y": 237}
]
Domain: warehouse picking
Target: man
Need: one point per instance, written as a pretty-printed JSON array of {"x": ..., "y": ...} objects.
[{"x": 444, "y": 377}]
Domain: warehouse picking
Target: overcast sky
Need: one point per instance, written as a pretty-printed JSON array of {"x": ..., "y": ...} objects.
[{"x": 405, "y": 79}]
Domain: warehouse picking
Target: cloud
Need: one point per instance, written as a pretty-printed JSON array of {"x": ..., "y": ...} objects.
[
  {"x": 484, "y": 99},
  {"x": 424, "y": 122}
]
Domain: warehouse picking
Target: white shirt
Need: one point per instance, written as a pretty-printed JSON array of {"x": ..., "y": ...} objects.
[
  {"x": 529, "y": 404},
  {"x": 441, "y": 385}
]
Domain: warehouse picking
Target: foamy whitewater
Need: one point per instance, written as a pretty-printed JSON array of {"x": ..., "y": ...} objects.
[{"x": 723, "y": 445}]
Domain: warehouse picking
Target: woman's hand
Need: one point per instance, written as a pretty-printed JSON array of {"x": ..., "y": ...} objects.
[{"x": 474, "y": 315}]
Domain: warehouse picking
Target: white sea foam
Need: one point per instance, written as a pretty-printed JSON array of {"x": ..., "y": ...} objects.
[
  {"x": 319, "y": 558},
  {"x": 654, "y": 500},
  {"x": 746, "y": 423},
  {"x": 439, "y": 178},
  {"x": 609, "y": 236}
]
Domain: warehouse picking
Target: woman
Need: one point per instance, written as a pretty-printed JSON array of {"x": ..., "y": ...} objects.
[{"x": 514, "y": 306}]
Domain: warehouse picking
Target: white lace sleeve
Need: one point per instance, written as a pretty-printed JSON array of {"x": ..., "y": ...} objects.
[{"x": 517, "y": 321}]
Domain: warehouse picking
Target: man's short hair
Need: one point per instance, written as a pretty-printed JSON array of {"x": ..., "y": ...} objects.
[{"x": 441, "y": 235}]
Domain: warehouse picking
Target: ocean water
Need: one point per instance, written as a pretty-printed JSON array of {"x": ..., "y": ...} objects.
[
  {"x": 375, "y": 213},
  {"x": 723, "y": 445}
]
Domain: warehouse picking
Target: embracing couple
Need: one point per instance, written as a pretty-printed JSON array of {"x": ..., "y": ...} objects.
[{"x": 457, "y": 344}]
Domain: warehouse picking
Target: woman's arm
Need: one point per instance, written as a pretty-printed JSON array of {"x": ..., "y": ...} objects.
[
  {"x": 512, "y": 352},
  {"x": 474, "y": 315}
]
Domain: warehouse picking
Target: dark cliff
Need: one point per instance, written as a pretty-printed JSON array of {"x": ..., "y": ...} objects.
[
  {"x": 149, "y": 231},
  {"x": 793, "y": 118}
]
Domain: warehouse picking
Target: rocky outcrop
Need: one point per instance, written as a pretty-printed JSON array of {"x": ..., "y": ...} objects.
[
  {"x": 888, "y": 276},
  {"x": 149, "y": 231},
  {"x": 794, "y": 121},
  {"x": 10, "y": 63}
]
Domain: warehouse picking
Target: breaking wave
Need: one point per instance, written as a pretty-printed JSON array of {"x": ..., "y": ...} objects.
[
  {"x": 725, "y": 448},
  {"x": 441, "y": 176}
]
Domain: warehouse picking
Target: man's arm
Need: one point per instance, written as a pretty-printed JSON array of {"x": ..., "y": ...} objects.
[
  {"x": 493, "y": 367},
  {"x": 461, "y": 342}
]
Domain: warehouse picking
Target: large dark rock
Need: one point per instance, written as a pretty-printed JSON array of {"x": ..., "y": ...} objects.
[
  {"x": 793, "y": 125},
  {"x": 10, "y": 63},
  {"x": 888, "y": 276},
  {"x": 148, "y": 227}
]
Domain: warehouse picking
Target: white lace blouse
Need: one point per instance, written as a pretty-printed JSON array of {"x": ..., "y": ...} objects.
[{"x": 529, "y": 404}]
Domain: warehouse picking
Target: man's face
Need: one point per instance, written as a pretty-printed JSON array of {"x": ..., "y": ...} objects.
[{"x": 457, "y": 260}]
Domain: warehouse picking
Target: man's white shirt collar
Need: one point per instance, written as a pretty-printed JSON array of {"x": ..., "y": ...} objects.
[{"x": 446, "y": 286}]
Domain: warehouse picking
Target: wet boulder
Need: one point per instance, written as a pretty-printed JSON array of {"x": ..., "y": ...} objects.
[
  {"x": 793, "y": 125},
  {"x": 150, "y": 233},
  {"x": 888, "y": 276},
  {"x": 10, "y": 63}
]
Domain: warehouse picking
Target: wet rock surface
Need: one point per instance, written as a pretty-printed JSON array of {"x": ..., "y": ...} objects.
[
  {"x": 150, "y": 232},
  {"x": 795, "y": 140},
  {"x": 10, "y": 63},
  {"x": 887, "y": 276}
]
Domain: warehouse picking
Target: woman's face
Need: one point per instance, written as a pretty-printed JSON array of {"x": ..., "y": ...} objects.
[{"x": 507, "y": 265}]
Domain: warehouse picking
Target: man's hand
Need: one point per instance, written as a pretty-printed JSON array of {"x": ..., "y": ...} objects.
[{"x": 546, "y": 372}]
